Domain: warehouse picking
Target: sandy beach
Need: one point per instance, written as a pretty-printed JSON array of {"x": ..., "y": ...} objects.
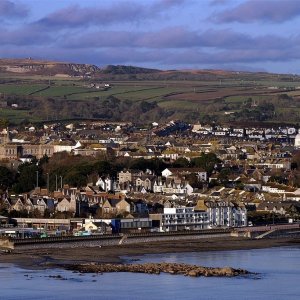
[{"x": 41, "y": 258}]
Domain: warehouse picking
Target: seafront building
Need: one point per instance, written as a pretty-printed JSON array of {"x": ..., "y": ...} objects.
[{"x": 181, "y": 218}]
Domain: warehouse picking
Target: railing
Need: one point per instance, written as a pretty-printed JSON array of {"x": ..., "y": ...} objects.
[
  {"x": 56, "y": 239},
  {"x": 268, "y": 228},
  {"x": 60, "y": 239}
]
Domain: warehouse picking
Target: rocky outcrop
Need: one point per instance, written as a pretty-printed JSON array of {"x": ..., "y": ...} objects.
[
  {"x": 30, "y": 66},
  {"x": 157, "y": 268}
]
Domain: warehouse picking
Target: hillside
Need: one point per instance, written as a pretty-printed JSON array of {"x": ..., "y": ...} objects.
[
  {"x": 31, "y": 66},
  {"x": 141, "y": 95},
  {"x": 119, "y": 69},
  {"x": 36, "y": 67}
]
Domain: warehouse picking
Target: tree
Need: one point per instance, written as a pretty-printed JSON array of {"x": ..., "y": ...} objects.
[
  {"x": 35, "y": 213},
  {"x": 181, "y": 162},
  {"x": 103, "y": 167},
  {"x": 75, "y": 178},
  {"x": 194, "y": 181},
  {"x": 155, "y": 164},
  {"x": 4, "y": 123},
  {"x": 206, "y": 162},
  {"x": 44, "y": 160},
  {"x": 27, "y": 178},
  {"x": 6, "y": 178},
  {"x": 223, "y": 175}
]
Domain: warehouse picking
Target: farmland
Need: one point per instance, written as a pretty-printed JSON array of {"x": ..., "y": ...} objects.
[{"x": 36, "y": 97}]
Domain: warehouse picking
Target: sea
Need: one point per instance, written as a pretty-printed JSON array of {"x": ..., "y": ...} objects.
[{"x": 278, "y": 277}]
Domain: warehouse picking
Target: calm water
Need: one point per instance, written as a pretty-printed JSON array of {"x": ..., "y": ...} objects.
[{"x": 279, "y": 270}]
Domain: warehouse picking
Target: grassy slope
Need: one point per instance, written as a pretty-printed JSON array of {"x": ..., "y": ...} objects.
[{"x": 172, "y": 95}]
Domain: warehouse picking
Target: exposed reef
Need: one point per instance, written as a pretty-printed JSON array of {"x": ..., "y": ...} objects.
[{"x": 157, "y": 268}]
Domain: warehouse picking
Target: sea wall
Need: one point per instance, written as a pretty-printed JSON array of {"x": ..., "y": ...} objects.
[{"x": 116, "y": 241}]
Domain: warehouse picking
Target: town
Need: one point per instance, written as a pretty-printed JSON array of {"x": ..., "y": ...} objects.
[
  {"x": 149, "y": 149},
  {"x": 92, "y": 177}
]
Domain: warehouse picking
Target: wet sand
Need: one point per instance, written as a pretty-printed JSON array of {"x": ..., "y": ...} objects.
[{"x": 41, "y": 258}]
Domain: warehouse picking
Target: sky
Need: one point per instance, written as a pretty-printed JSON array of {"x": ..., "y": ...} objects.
[{"x": 252, "y": 35}]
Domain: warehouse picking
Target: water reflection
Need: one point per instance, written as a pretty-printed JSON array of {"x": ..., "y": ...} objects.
[{"x": 279, "y": 270}]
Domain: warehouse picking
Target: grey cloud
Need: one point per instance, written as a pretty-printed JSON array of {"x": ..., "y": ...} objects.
[
  {"x": 10, "y": 9},
  {"x": 273, "y": 11},
  {"x": 236, "y": 56},
  {"x": 121, "y": 12},
  {"x": 92, "y": 56},
  {"x": 100, "y": 39},
  {"x": 28, "y": 35},
  {"x": 218, "y": 2},
  {"x": 169, "y": 3},
  {"x": 167, "y": 38},
  {"x": 177, "y": 37},
  {"x": 78, "y": 16},
  {"x": 193, "y": 56},
  {"x": 154, "y": 57}
]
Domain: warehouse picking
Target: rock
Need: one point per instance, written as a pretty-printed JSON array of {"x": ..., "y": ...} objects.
[
  {"x": 193, "y": 273},
  {"x": 157, "y": 268}
]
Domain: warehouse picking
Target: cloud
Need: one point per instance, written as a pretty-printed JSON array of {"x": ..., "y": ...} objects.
[
  {"x": 218, "y": 2},
  {"x": 177, "y": 38},
  {"x": 27, "y": 35},
  {"x": 169, "y": 3},
  {"x": 10, "y": 9},
  {"x": 192, "y": 56},
  {"x": 159, "y": 58},
  {"x": 105, "y": 35},
  {"x": 272, "y": 11},
  {"x": 122, "y": 12},
  {"x": 174, "y": 37}
]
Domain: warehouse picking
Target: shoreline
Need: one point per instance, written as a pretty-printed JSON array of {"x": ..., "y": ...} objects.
[{"x": 49, "y": 258}]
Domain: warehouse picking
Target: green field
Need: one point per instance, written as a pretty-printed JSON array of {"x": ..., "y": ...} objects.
[
  {"x": 22, "y": 89},
  {"x": 130, "y": 100},
  {"x": 17, "y": 116},
  {"x": 61, "y": 91}
]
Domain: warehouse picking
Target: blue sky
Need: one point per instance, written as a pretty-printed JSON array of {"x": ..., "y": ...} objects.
[{"x": 254, "y": 35}]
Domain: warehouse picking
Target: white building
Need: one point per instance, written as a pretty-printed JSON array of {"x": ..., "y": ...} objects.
[
  {"x": 106, "y": 184},
  {"x": 200, "y": 173},
  {"x": 183, "y": 218},
  {"x": 226, "y": 214},
  {"x": 172, "y": 188},
  {"x": 297, "y": 140}
]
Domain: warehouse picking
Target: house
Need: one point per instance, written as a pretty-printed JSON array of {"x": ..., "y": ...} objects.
[
  {"x": 138, "y": 207},
  {"x": 144, "y": 181},
  {"x": 170, "y": 154},
  {"x": 17, "y": 204},
  {"x": 39, "y": 204},
  {"x": 124, "y": 176},
  {"x": 66, "y": 204},
  {"x": 106, "y": 184},
  {"x": 172, "y": 186},
  {"x": 199, "y": 172},
  {"x": 136, "y": 180},
  {"x": 116, "y": 206},
  {"x": 285, "y": 208},
  {"x": 96, "y": 226}
]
